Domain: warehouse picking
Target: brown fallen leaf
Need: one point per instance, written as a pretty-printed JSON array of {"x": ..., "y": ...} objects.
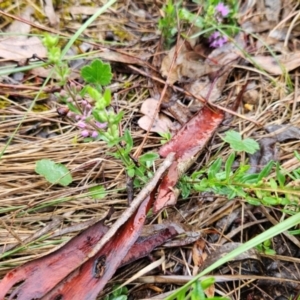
[
  {"x": 187, "y": 64},
  {"x": 186, "y": 237},
  {"x": 273, "y": 9},
  {"x": 220, "y": 62},
  {"x": 68, "y": 255},
  {"x": 268, "y": 151},
  {"x": 121, "y": 57},
  {"x": 279, "y": 64},
  {"x": 161, "y": 122},
  {"x": 82, "y": 10},
  {"x": 15, "y": 49},
  {"x": 225, "y": 249},
  {"x": 283, "y": 133},
  {"x": 187, "y": 144},
  {"x": 20, "y": 47}
]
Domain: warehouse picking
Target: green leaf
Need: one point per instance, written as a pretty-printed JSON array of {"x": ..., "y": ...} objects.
[
  {"x": 248, "y": 178},
  {"x": 236, "y": 143},
  {"x": 185, "y": 189},
  {"x": 265, "y": 171},
  {"x": 267, "y": 200},
  {"x": 118, "y": 117},
  {"x": 253, "y": 201},
  {"x": 130, "y": 172},
  {"x": 148, "y": 157},
  {"x": 297, "y": 155},
  {"x": 97, "y": 72},
  {"x": 121, "y": 297},
  {"x": 129, "y": 141},
  {"x": 93, "y": 93},
  {"x": 273, "y": 184},
  {"x": 214, "y": 169},
  {"x": 270, "y": 252},
  {"x": 280, "y": 176},
  {"x": 107, "y": 97},
  {"x": 228, "y": 165},
  {"x": 206, "y": 283},
  {"x": 140, "y": 171},
  {"x": 197, "y": 293},
  {"x": 97, "y": 192},
  {"x": 53, "y": 173}
]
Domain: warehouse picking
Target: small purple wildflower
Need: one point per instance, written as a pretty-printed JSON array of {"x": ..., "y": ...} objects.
[
  {"x": 85, "y": 121},
  {"x": 216, "y": 40},
  {"x": 101, "y": 125},
  {"x": 214, "y": 36},
  {"x": 85, "y": 133},
  {"x": 81, "y": 124},
  {"x": 94, "y": 134},
  {"x": 222, "y": 9}
]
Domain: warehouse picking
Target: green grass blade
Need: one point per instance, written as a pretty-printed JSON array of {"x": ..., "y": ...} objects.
[{"x": 279, "y": 228}]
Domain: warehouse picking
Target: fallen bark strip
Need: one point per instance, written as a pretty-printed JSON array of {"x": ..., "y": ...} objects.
[
  {"x": 187, "y": 145},
  {"x": 89, "y": 238},
  {"x": 145, "y": 192}
]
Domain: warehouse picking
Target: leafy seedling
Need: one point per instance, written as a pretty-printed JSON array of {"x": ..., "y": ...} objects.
[
  {"x": 238, "y": 144},
  {"x": 166, "y": 136},
  {"x": 53, "y": 172},
  {"x": 266, "y": 247}
]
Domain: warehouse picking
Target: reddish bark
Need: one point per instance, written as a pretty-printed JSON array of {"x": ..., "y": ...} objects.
[{"x": 187, "y": 144}]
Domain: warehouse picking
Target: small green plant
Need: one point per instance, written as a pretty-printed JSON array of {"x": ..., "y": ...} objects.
[
  {"x": 216, "y": 20},
  {"x": 166, "y": 136},
  {"x": 91, "y": 110},
  {"x": 266, "y": 247},
  {"x": 268, "y": 234},
  {"x": 197, "y": 291},
  {"x": 118, "y": 293},
  {"x": 222, "y": 179},
  {"x": 168, "y": 23},
  {"x": 54, "y": 57}
]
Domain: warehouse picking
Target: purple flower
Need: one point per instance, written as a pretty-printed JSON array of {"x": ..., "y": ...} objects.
[
  {"x": 81, "y": 124},
  {"x": 85, "y": 133},
  {"x": 101, "y": 125},
  {"x": 214, "y": 36},
  {"x": 222, "y": 9},
  {"x": 216, "y": 40},
  {"x": 94, "y": 134}
]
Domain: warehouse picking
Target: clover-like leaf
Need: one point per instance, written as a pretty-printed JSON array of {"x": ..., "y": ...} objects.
[
  {"x": 238, "y": 144},
  {"x": 53, "y": 172},
  {"x": 97, "y": 72}
]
